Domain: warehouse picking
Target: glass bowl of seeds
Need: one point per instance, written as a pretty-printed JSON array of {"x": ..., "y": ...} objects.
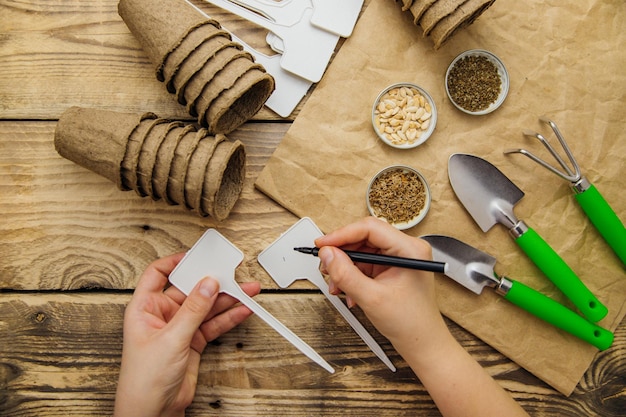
[
  {"x": 398, "y": 195},
  {"x": 477, "y": 82},
  {"x": 404, "y": 115}
]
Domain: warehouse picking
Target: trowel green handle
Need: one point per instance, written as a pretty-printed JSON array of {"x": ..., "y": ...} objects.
[
  {"x": 604, "y": 219},
  {"x": 558, "y": 315},
  {"x": 561, "y": 275}
]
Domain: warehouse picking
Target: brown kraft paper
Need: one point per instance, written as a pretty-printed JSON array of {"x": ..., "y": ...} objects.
[{"x": 564, "y": 61}]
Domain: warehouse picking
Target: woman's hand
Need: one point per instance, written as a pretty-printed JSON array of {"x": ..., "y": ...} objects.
[
  {"x": 399, "y": 302},
  {"x": 164, "y": 336}
]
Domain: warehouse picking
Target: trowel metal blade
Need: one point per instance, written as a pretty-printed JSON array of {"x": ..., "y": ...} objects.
[
  {"x": 487, "y": 194},
  {"x": 465, "y": 264}
]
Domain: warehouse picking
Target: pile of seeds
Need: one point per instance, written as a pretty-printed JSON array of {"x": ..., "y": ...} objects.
[
  {"x": 402, "y": 115},
  {"x": 474, "y": 83},
  {"x": 397, "y": 195}
]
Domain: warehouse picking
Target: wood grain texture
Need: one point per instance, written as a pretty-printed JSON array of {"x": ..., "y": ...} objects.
[
  {"x": 69, "y": 228},
  {"x": 63, "y": 359},
  {"x": 59, "y": 54},
  {"x": 72, "y": 246}
]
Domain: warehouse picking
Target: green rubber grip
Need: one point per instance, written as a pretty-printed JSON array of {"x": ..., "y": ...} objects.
[
  {"x": 604, "y": 219},
  {"x": 561, "y": 275},
  {"x": 558, "y": 315}
]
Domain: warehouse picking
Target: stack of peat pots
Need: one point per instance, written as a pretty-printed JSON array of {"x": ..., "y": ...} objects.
[
  {"x": 163, "y": 159},
  {"x": 440, "y": 19},
  {"x": 211, "y": 75},
  {"x": 192, "y": 165}
]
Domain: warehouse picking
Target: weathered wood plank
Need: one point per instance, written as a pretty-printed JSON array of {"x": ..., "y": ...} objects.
[
  {"x": 65, "y": 227},
  {"x": 58, "y": 357},
  {"x": 59, "y": 54}
]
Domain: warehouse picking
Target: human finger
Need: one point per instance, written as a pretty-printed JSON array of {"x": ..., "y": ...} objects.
[
  {"x": 223, "y": 302},
  {"x": 224, "y": 322},
  {"x": 224, "y": 317},
  {"x": 175, "y": 294},
  {"x": 369, "y": 234},
  {"x": 345, "y": 275},
  {"x": 154, "y": 278},
  {"x": 194, "y": 309},
  {"x": 376, "y": 234}
]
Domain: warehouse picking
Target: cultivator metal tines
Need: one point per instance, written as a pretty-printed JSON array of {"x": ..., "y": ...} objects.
[
  {"x": 592, "y": 202},
  {"x": 571, "y": 174}
]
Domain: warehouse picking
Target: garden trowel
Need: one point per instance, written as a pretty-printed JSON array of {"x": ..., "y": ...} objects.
[
  {"x": 474, "y": 270},
  {"x": 489, "y": 197}
]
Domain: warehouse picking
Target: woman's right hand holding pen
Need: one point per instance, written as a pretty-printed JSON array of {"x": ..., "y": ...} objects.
[
  {"x": 401, "y": 303},
  {"x": 394, "y": 294}
]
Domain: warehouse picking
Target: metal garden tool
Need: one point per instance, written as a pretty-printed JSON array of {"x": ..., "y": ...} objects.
[
  {"x": 213, "y": 255},
  {"x": 489, "y": 197},
  {"x": 474, "y": 270},
  {"x": 592, "y": 202}
]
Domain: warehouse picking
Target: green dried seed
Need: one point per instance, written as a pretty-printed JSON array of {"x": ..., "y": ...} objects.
[{"x": 474, "y": 83}]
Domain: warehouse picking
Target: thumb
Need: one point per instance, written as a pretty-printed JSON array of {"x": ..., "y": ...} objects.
[
  {"x": 194, "y": 309},
  {"x": 345, "y": 275}
]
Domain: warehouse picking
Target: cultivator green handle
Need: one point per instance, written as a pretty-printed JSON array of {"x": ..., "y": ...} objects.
[
  {"x": 561, "y": 275},
  {"x": 604, "y": 219}
]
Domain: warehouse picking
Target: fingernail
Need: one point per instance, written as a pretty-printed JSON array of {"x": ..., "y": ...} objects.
[
  {"x": 350, "y": 302},
  {"x": 332, "y": 288},
  {"x": 208, "y": 287},
  {"x": 326, "y": 256}
]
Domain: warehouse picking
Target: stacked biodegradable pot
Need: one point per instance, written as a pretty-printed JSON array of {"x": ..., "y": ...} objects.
[
  {"x": 163, "y": 159},
  {"x": 211, "y": 75},
  {"x": 440, "y": 19}
]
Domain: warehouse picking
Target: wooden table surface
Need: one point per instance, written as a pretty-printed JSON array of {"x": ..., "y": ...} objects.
[{"x": 73, "y": 246}]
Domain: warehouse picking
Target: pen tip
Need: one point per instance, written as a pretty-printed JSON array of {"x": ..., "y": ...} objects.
[{"x": 309, "y": 251}]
